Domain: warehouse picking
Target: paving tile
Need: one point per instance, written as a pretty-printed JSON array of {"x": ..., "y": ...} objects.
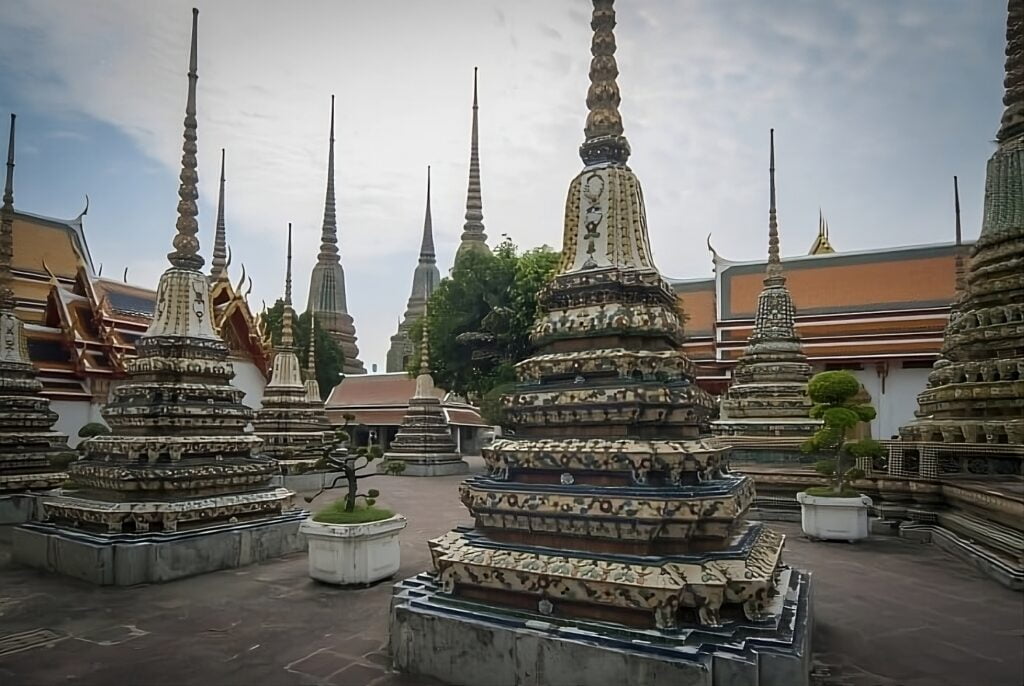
[
  {"x": 113, "y": 635},
  {"x": 888, "y": 613},
  {"x": 356, "y": 675},
  {"x": 320, "y": 664},
  {"x": 357, "y": 646}
]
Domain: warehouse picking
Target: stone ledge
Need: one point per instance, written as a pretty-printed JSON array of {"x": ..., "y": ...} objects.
[
  {"x": 433, "y": 635},
  {"x": 130, "y": 559}
]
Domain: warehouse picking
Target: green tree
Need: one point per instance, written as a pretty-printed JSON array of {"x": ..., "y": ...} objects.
[
  {"x": 480, "y": 317},
  {"x": 329, "y": 357},
  {"x": 833, "y": 396}
]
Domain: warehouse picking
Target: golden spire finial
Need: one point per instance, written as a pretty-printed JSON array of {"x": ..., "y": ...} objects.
[{"x": 605, "y": 142}]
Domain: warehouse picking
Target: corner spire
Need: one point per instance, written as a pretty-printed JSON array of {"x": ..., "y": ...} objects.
[
  {"x": 473, "y": 235},
  {"x": 287, "y": 337},
  {"x": 9, "y": 182},
  {"x": 958, "y": 260},
  {"x": 427, "y": 245},
  {"x": 329, "y": 233},
  {"x": 774, "y": 271},
  {"x": 1012, "y": 123},
  {"x": 425, "y": 347},
  {"x": 7, "y": 227},
  {"x": 186, "y": 245},
  {"x": 288, "y": 270},
  {"x": 219, "y": 263},
  {"x": 604, "y": 142}
]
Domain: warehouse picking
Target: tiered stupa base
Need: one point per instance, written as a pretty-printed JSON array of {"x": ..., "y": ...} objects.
[
  {"x": 28, "y": 448},
  {"x": 424, "y": 442},
  {"x": 439, "y": 635}
]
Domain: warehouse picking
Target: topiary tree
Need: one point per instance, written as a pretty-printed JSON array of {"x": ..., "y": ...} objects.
[
  {"x": 833, "y": 396},
  {"x": 353, "y": 469},
  {"x": 93, "y": 429}
]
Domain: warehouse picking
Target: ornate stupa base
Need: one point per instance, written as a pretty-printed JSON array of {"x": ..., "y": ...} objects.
[
  {"x": 428, "y": 464},
  {"x": 436, "y": 634},
  {"x": 117, "y": 559}
]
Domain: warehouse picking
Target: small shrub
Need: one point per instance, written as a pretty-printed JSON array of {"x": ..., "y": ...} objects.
[{"x": 335, "y": 513}]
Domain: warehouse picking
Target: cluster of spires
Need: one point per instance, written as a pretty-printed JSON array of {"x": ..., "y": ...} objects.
[{"x": 327, "y": 294}]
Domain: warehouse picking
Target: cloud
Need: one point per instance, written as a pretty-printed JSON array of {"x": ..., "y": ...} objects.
[{"x": 875, "y": 105}]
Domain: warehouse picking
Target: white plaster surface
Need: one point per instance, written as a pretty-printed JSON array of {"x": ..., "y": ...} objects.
[
  {"x": 353, "y": 553},
  {"x": 840, "y": 519}
]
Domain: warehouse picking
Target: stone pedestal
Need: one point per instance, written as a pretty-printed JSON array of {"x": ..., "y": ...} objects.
[
  {"x": 354, "y": 553},
  {"x": 464, "y": 643},
  {"x": 429, "y": 464},
  {"x": 130, "y": 559},
  {"x": 17, "y": 508}
]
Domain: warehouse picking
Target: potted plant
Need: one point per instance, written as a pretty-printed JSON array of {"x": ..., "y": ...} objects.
[
  {"x": 837, "y": 511},
  {"x": 352, "y": 541}
]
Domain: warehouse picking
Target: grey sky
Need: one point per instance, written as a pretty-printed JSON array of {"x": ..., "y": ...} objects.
[{"x": 876, "y": 104}]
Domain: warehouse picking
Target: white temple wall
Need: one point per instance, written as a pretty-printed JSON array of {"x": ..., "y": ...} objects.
[
  {"x": 250, "y": 379},
  {"x": 72, "y": 415}
]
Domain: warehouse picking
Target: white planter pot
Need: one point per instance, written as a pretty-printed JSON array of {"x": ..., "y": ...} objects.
[
  {"x": 843, "y": 519},
  {"x": 353, "y": 553}
]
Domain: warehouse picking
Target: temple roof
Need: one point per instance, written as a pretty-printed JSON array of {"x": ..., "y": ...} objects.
[{"x": 382, "y": 399}]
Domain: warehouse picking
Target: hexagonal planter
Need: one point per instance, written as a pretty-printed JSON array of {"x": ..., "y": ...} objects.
[
  {"x": 827, "y": 518},
  {"x": 349, "y": 554}
]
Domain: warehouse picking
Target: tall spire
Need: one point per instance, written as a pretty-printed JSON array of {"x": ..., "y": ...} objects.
[
  {"x": 774, "y": 272},
  {"x": 287, "y": 339},
  {"x": 1012, "y": 123},
  {"x": 473, "y": 236},
  {"x": 288, "y": 270},
  {"x": 7, "y": 227},
  {"x": 604, "y": 142},
  {"x": 219, "y": 264},
  {"x": 427, "y": 245},
  {"x": 329, "y": 233},
  {"x": 186, "y": 245}
]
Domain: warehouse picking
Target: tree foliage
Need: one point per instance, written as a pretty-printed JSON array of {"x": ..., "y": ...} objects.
[
  {"x": 480, "y": 316},
  {"x": 330, "y": 359},
  {"x": 833, "y": 396}
]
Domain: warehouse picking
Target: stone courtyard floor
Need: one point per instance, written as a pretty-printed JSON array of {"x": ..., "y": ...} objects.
[{"x": 888, "y": 612}]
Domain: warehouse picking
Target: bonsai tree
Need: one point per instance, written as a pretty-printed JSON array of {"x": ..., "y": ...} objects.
[
  {"x": 833, "y": 396},
  {"x": 93, "y": 429},
  {"x": 353, "y": 468}
]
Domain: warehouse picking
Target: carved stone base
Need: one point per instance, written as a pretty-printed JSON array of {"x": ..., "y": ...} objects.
[
  {"x": 129, "y": 559},
  {"x": 17, "y": 508},
  {"x": 435, "y": 635},
  {"x": 429, "y": 464}
]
